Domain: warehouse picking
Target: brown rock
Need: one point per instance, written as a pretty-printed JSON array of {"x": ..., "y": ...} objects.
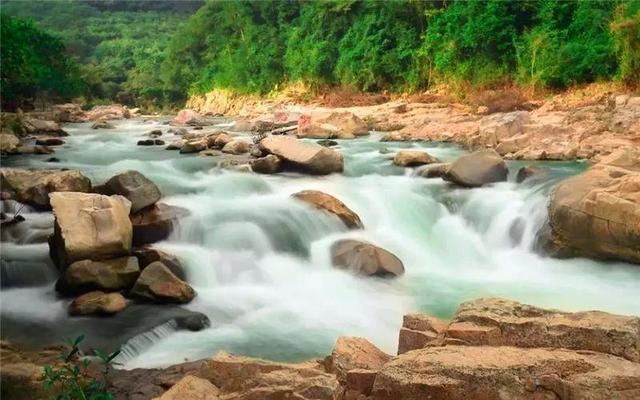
[
  {"x": 498, "y": 373},
  {"x": 413, "y": 158},
  {"x": 307, "y": 157},
  {"x": 139, "y": 190},
  {"x": 158, "y": 283},
  {"x": 243, "y": 378},
  {"x": 190, "y": 117},
  {"x": 191, "y": 388},
  {"x": 597, "y": 213},
  {"x": 89, "y": 226},
  {"x": 49, "y": 141},
  {"x": 8, "y": 143},
  {"x": 499, "y": 322},
  {"x": 176, "y": 145},
  {"x": 98, "y": 303},
  {"x": 337, "y": 124},
  {"x": 33, "y": 187},
  {"x": 146, "y": 255},
  {"x": 437, "y": 170},
  {"x": 38, "y": 126},
  {"x": 109, "y": 275},
  {"x": 113, "y": 111},
  {"x": 527, "y": 172},
  {"x": 219, "y": 140},
  {"x": 352, "y": 353},
  {"x": 419, "y": 330},
  {"x": 359, "y": 383},
  {"x": 269, "y": 164},
  {"x": 102, "y": 124},
  {"x": 193, "y": 146},
  {"x": 236, "y": 146},
  {"x": 330, "y": 204},
  {"x": 477, "y": 169},
  {"x": 365, "y": 259},
  {"x": 155, "y": 223}
]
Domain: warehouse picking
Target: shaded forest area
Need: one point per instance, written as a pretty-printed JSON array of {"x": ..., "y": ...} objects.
[{"x": 159, "y": 53}]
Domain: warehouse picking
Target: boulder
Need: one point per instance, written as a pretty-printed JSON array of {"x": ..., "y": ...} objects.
[
  {"x": 359, "y": 384},
  {"x": 33, "y": 186},
  {"x": 113, "y": 111},
  {"x": 157, "y": 283},
  {"x": 528, "y": 172},
  {"x": 327, "y": 143},
  {"x": 190, "y": 117},
  {"x": 89, "y": 226},
  {"x": 500, "y": 322},
  {"x": 597, "y": 213},
  {"x": 331, "y": 205},
  {"x": 67, "y": 112},
  {"x": 176, "y": 145},
  {"x": 139, "y": 190},
  {"x": 193, "y": 146},
  {"x": 351, "y": 353},
  {"x": 337, "y": 124},
  {"x": 498, "y": 373},
  {"x": 155, "y": 223},
  {"x": 365, "y": 259},
  {"x": 477, "y": 169},
  {"x": 154, "y": 133},
  {"x": 413, "y": 158},
  {"x": 244, "y": 378},
  {"x": 49, "y": 141},
  {"x": 191, "y": 388},
  {"x": 419, "y": 331},
  {"x": 219, "y": 140},
  {"x": 307, "y": 157},
  {"x": 99, "y": 303},
  {"x": 437, "y": 170},
  {"x": 146, "y": 142},
  {"x": 146, "y": 255},
  {"x": 108, "y": 275},
  {"x": 269, "y": 164},
  {"x": 9, "y": 143},
  {"x": 237, "y": 146},
  {"x": 38, "y": 126},
  {"x": 102, "y": 124},
  {"x": 34, "y": 150}
]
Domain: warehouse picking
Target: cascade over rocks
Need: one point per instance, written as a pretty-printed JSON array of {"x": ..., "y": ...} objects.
[
  {"x": 155, "y": 223},
  {"x": 365, "y": 259},
  {"x": 157, "y": 283},
  {"x": 108, "y": 275},
  {"x": 332, "y": 125},
  {"x": 89, "y": 226},
  {"x": 597, "y": 213},
  {"x": 477, "y": 169},
  {"x": 139, "y": 190},
  {"x": 413, "y": 158},
  {"x": 306, "y": 157},
  {"x": 331, "y": 205},
  {"x": 99, "y": 303},
  {"x": 34, "y": 186}
]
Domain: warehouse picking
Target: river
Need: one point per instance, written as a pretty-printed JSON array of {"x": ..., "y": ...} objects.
[{"x": 260, "y": 262}]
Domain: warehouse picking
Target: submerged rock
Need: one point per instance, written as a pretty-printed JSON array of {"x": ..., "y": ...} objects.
[
  {"x": 597, "y": 213},
  {"x": 33, "y": 186},
  {"x": 157, "y": 283},
  {"x": 306, "y": 157},
  {"x": 236, "y": 146},
  {"x": 437, "y": 170},
  {"x": 109, "y": 275},
  {"x": 89, "y": 226},
  {"x": 477, "y": 169},
  {"x": 413, "y": 158},
  {"x": 102, "y": 124},
  {"x": 155, "y": 223},
  {"x": 331, "y": 205},
  {"x": 49, "y": 141},
  {"x": 365, "y": 259},
  {"x": 139, "y": 190},
  {"x": 99, "y": 303}
]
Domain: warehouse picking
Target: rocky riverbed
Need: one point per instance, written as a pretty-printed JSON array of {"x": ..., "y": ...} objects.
[{"x": 274, "y": 232}]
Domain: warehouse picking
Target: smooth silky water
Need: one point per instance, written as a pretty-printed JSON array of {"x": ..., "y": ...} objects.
[{"x": 260, "y": 261}]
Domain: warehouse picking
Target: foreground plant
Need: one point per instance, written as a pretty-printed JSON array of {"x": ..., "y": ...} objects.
[{"x": 70, "y": 381}]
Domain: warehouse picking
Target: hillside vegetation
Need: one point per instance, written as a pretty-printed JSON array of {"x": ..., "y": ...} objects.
[{"x": 157, "y": 52}]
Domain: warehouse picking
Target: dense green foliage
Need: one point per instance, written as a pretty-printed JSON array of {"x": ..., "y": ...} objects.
[{"x": 160, "y": 52}]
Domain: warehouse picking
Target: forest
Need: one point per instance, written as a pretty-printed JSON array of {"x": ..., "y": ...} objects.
[{"x": 157, "y": 54}]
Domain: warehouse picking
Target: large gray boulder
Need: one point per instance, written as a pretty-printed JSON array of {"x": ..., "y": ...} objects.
[
  {"x": 139, "y": 190},
  {"x": 477, "y": 169}
]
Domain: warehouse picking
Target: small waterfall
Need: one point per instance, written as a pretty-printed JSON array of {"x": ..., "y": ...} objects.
[{"x": 144, "y": 341}]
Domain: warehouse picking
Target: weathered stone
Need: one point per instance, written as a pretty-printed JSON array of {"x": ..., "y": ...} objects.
[
  {"x": 139, "y": 190},
  {"x": 413, "y": 158},
  {"x": 155, "y": 223},
  {"x": 193, "y": 146},
  {"x": 146, "y": 255},
  {"x": 8, "y": 143},
  {"x": 330, "y": 204},
  {"x": 219, "y": 140},
  {"x": 106, "y": 112},
  {"x": 337, "y": 124},
  {"x": 359, "y": 383},
  {"x": 365, "y": 259},
  {"x": 191, "y": 388},
  {"x": 99, "y": 303},
  {"x": 351, "y": 353},
  {"x": 49, "y": 141},
  {"x": 89, "y": 226},
  {"x": 157, "y": 283},
  {"x": 597, "y": 213},
  {"x": 109, "y": 275},
  {"x": 419, "y": 330},
  {"x": 33, "y": 187},
  {"x": 498, "y": 373},
  {"x": 477, "y": 169},
  {"x": 190, "y": 117},
  {"x": 500, "y": 322},
  {"x": 102, "y": 124},
  {"x": 307, "y": 157},
  {"x": 269, "y": 164},
  {"x": 38, "y": 126},
  {"x": 236, "y": 146},
  {"x": 528, "y": 172},
  {"x": 437, "y": 170}
]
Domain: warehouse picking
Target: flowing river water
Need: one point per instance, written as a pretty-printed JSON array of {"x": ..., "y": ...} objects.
[{"x": 260, "y": 261}]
